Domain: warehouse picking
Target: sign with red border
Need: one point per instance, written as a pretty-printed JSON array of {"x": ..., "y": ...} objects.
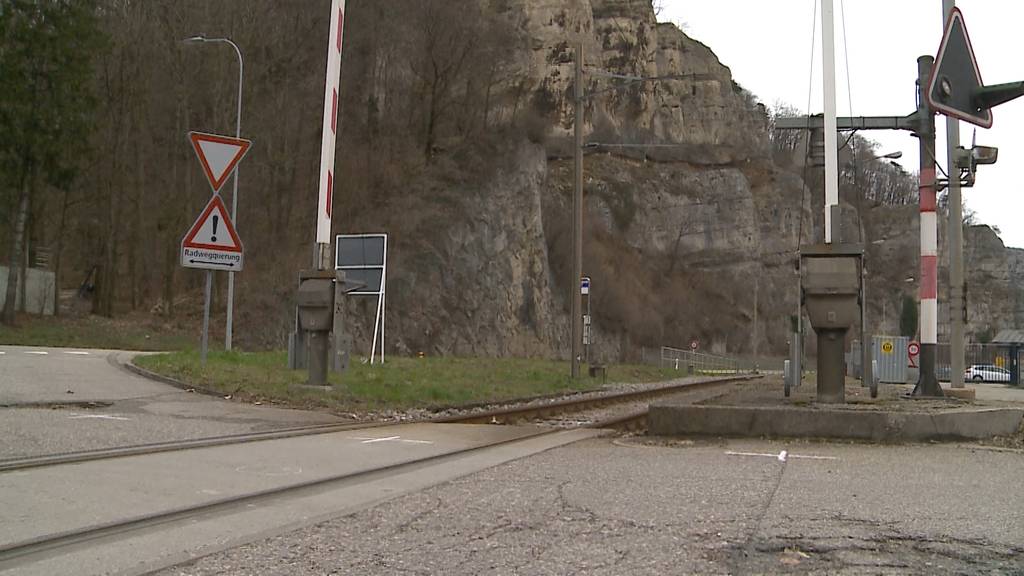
[
  {"x": 212, "y": 242},
  {"x": 913, "y": 351},
  {"x": 218, "y": 155}
]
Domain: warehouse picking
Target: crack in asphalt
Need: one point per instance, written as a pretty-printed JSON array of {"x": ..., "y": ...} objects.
[{"x": 739, "y": 556}]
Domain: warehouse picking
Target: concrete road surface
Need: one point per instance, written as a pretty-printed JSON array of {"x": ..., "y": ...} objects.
[
  {"x": 42, "y": 502},
  {"x": 60, "y": 400},
  {"x": 718, "y": 507}
]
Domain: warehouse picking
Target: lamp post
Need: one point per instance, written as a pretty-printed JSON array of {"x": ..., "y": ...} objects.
[{"x": 200, "y": 39}]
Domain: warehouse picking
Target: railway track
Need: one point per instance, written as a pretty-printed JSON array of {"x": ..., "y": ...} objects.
[
  {"x": 543, "y": 412},
  {"x": 597, "y": 412}
]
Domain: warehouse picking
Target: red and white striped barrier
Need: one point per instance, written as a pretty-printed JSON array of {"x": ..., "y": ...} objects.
[{"x": 330, "y": 124}]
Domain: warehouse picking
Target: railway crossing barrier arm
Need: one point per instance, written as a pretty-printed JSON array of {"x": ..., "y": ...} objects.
[{"x": 817, "y": 122}]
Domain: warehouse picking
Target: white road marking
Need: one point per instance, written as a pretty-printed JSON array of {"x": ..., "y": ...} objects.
[
  {"x": 366, "y": 440},
  {"x": 37, "y": 352},
  {"x": 782, "y": 456},
  {"x": 270, "y": 470},
  {"x": 97, "y": 417},
  {"x": 76, "y": 352},
  {"x": 2, "y": 352}
]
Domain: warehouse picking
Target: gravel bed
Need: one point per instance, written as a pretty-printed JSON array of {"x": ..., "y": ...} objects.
[
  {"x": 614, "y": 388},
  {"x": 606, "y": 413}
]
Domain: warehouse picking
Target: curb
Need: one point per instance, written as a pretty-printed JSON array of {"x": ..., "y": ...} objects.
[
  {"x": 149, "y": 375},
  {"x": 889, "y": 427}
]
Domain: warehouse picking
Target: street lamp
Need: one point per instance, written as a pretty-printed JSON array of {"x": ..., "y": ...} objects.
[{"x": 200, "y": 39}]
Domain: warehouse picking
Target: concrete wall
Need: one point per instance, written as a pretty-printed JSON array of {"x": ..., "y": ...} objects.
[{"x": 38, "y": 290}]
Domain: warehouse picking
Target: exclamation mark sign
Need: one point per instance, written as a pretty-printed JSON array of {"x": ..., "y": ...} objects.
[{"x": 213, "y": 238}]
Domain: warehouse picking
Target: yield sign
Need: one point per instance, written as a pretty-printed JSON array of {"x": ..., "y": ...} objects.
[
  {"x": 218, "y": 154},
  {"x": 956, "y": 80},
  {"x": 212, "y": 243}
]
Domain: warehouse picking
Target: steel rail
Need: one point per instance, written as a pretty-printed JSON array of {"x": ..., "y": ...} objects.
[
  {"x": 18, "y": 553},
  {"x": 499, "y": 416},
  {"x": 41, "y": 546}
]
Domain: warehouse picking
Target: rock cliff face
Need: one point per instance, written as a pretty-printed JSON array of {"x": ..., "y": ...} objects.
[
  {"x": 994, "y": 274},
  {"x": 995, "y": 284},
  {"x": 694, "y": 240},
  {"x": 478, "y": 281},
  {"x": 695, "y": 105},
  {"x": 687, "y": 241}
]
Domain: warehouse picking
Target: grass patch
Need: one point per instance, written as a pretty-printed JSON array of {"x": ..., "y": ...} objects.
[
  {"x": 91, "y": 332},
  {"x": 400, "y": 384}
]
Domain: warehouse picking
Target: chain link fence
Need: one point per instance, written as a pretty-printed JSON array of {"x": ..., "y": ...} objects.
[{"x": 700, "y": 363}]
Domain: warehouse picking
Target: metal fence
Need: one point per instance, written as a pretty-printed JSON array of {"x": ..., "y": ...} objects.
[
  {"x": 693, "y": 362},
  {"x": 890, "y": 353},
  {"x": 890, "y": 356},
  {"x": 993, "y": 354}
]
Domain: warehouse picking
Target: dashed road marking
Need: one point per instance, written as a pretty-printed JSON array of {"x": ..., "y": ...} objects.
[
  {"x": 366, "y": 440},
  {"x": 76, "y": 352},
  {"x": 782, "y": 456},
  {"x": 97, "y": 417},
  {"x": 37, "y": 352}
]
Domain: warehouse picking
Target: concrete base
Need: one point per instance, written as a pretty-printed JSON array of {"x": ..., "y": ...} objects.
[
  {"x": 960, "y": 393},
  {"x": 667, "y": 419}
]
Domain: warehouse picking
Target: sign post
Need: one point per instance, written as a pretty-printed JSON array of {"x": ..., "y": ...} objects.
[
  {"x": 364, "y": 260},
  {"x": 588, "y": 334},
  {"x": 212, "y": 243}
]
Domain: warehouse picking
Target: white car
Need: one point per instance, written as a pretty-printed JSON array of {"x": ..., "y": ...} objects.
[{"x": 986, "y": 373}]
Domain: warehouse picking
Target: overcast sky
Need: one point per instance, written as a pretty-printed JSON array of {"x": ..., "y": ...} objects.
[{"x": 768, "y": 47}]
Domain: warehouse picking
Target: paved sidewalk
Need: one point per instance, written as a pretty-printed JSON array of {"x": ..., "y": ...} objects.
[
  {"x": 997, "y": 392},
  {"x": 55, "y": 400}
]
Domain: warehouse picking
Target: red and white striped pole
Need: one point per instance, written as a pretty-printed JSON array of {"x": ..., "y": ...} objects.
[
  {"x": 330, "y": 136},
  {"x": 928, "y": 384}
]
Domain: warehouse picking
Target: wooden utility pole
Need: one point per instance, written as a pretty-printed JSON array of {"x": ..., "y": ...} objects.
[{"x": 577, "y": 220}]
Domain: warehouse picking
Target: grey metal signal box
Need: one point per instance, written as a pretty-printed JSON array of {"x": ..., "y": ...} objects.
[
  {"x": 831, "y": 292},
  {"x": 315, "y": 300}
]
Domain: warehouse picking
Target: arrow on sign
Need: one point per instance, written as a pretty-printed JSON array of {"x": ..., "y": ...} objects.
[
  {"x": 225, "y": 264},
  {"x": 218, "y": 155}
]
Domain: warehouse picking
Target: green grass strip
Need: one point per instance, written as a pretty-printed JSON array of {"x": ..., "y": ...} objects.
[{"x": 401, "y": 383}]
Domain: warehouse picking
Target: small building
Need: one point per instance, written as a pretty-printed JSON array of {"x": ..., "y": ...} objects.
[
  {"x": 37, "y": 290},
  {"x": 1012, "y": 341}
]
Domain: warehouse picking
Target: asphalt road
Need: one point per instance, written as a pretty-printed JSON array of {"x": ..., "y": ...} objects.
[
  {"x": 724, "y": 507},
  {"x": 56, "y": 400},
  {"x": 43, "y": 502}
]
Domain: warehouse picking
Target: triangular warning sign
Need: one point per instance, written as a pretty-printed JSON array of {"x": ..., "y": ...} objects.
[
  {"x": 955, "y": 76},
  {"x": 218, "y": 155},
  {"x": 213, "y": 230}
]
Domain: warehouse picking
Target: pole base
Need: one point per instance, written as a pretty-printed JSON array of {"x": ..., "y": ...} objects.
[
  {"x": 927, "y": 384},
  {"x": 831, "y": 373}
]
